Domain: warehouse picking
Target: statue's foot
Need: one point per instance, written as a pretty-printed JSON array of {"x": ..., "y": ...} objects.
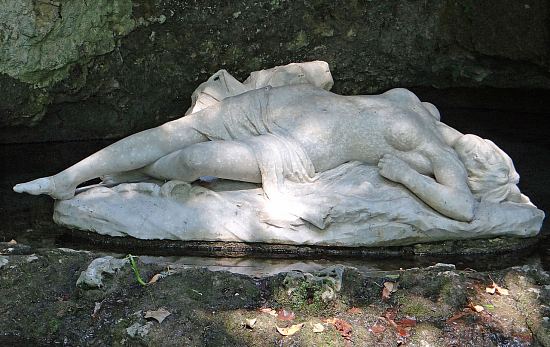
[
  {"x": 124, "y": 177},
  {"x": 45, "y": 185}
]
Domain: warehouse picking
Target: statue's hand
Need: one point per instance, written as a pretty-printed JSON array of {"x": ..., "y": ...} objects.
[{"x": 393, "y": 168}]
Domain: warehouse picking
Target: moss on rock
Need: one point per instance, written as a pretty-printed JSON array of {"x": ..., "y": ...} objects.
[{"x": 42, "y": 39}]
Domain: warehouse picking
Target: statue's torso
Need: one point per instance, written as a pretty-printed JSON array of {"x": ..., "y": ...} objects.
[{"x": 334, "y": 129}]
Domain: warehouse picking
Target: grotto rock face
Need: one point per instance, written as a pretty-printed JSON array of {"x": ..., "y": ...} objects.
[
  {"x": 110, "y": 68},
  {"x": 43, "y": 40}
]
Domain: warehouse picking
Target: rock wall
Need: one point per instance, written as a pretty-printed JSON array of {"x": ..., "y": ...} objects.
[{"x": 73, "y": 69}]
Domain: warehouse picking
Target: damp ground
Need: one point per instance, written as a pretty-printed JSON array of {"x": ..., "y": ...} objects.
[{"x": 334, "y": 305}]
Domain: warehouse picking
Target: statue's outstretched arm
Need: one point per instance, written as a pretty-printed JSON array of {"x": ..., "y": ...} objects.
[{"x": 448, "y": 193}]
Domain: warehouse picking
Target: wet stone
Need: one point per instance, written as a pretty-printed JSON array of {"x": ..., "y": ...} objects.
[{"x": 3, "y": 261}]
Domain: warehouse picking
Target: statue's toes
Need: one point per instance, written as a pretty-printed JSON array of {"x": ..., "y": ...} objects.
[
  {"x": 42, "y": 185},
  {"x": 45, "y": 185}
]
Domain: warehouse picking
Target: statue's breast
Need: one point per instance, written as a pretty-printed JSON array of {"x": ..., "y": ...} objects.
[{"x": 403, "y": 133}]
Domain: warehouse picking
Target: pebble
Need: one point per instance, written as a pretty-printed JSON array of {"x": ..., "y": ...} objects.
[
  {"x": 3, "y": 261},
  {"x": 32, "y": 258},
  {"x": 137, "y": 329}
]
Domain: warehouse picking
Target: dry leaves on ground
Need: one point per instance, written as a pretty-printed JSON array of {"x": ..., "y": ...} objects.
[
  {"x": 159, "y": 315},
  {"x": 285, "y": 315},
  {"x": 459, "y": 315},
  {"x": 318, "y": 328},
  {"x": 390, "y": 314},
  {"x": 249, "y": 323},
  {"x": 407, "y": 322},
  {"x": 402, "y": 326},
  {"x": 291, "y": 330},
  {"x": 343, "y": 327},
  {"x": 389, "y": 288},
  {"x": 377, "y": 329},
  {"x": 477, "y": 308},
  {"x": 494, "y": 288},
  {"x": 154, "y": 279}
]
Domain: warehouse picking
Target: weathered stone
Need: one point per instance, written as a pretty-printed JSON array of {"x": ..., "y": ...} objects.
[
  {"x": 92, "y": 277},
  {"x": 139, "y": 330},
  {"x": 92, "y": 79},
  {"x": 3, "y": 261},
  {"x": 44, "y": 39}
]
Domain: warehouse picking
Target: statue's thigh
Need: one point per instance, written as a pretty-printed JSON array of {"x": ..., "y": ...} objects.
[{"x": 224, "y": 159}]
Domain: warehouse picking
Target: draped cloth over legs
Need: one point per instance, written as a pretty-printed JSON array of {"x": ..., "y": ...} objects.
[{"x": 279, "y": 156}]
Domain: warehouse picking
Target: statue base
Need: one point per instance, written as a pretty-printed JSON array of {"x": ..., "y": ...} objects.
[{"x": 349, "y": 206}]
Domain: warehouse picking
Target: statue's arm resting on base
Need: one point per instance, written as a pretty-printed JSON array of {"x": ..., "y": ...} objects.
[{"x": 448, "y": 193}]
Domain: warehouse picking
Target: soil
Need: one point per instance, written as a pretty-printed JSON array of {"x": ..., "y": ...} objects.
[{"x": 41, "y": 304}]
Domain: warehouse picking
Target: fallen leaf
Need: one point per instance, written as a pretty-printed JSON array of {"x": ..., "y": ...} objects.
[
  {"x": 495, "y": 288},
  {"x": 477, "y": 308},
  {"x": 489, "y": 306},
  {"x": 155, "y": 278},
  {"x": 502, "y": 291},
  {"x": 355, "y": 310},
  {"x": 402, "y": 332},
  {"x": 407, "y": 322},
  {"x": 12, "y": 242},
  {"x": 251, "y": 322},
  {"x": 459, "y": 315},
  {"x": 269, "y": 311},
  {"x": 291, "y": 330},
  {"x": 389, "y": 287},
  {"x": 318, "y": 328},
  {"x": 285, "y": 315},
  {"x": 390, "y": 314},
  {"x": 343, "y": 327},
  {"x": 490, "y": 290},
  {"x": 392, "y": 286},
  {"x": 377, "y": 329},
  {"x": 159, "y": 315}
]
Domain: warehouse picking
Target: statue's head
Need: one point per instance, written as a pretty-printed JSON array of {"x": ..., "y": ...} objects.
[{"x": 491, "y": 172}]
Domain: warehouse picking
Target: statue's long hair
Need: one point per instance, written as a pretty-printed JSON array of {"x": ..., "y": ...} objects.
[{"x": 491, "y": 172}]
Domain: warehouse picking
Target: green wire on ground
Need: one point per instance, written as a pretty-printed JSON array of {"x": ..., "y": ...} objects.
[{"x": 134, "y": 267}]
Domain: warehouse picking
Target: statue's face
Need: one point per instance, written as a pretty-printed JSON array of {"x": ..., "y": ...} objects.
[{"x": 491, "y": 173}]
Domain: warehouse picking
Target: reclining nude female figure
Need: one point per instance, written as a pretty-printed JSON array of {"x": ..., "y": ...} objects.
[{"x": 447, "y": 170}]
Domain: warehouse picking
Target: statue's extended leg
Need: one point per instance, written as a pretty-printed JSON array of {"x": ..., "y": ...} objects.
[
  {"x": 141, "y": 149},
  {"x": 132, "y": 152},
  {"x": 224, "y": 159}
]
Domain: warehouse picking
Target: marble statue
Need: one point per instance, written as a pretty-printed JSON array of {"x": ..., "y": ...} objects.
[{"x": 335, "y": 170}]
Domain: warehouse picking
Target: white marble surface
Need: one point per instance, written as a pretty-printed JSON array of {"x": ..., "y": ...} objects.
[
  {"x": 334, "y": 170},
  {"x": 354, "y": 207}
]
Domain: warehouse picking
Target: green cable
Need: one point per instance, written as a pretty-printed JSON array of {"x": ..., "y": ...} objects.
[{"x": 134, "y": 267}]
